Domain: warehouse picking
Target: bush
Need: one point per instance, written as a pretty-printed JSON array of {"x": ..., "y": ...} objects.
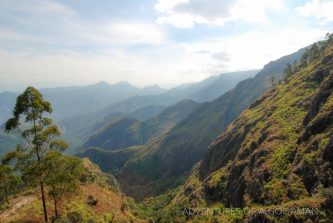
[
  {"x": 62, "y": 220},
  {"x": 124, "y": 207},
  {"x": 328, "y": 194},
  {"x": 75, "y": 217},
  {"x": 92, "y": 201}
]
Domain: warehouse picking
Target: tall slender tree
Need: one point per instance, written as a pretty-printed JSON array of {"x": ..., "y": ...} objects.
[{"x": 39, "y": 133}]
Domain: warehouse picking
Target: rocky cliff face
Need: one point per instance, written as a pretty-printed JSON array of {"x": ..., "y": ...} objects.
[{"x": 280, "y": 149}]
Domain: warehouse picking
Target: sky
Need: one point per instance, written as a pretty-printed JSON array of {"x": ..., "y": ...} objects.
[{"x": 47, "y": 43}]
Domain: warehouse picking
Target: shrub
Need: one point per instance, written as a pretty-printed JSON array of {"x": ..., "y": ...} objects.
[
  {"x": 62, "y": 220},
  {"x": 328, "y": 194},
  {"x": 124, "y": 207},
  {"x": 92, "y": 201},
  {"x": 75, "y": 217}
]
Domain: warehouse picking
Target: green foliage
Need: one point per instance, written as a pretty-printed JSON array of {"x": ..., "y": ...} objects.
[
  {"x": 62, "y": 220},
  {"x": 62, "y": 176},
  {"x": 9, "y": 182},
  {"x": 155, "y": 209},
  {"x": 75, "y": 217},
  {"x": 288, "y": 71}
]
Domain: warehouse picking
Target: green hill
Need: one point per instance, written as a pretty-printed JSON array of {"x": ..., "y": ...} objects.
[{"x": 130, "y": 131}]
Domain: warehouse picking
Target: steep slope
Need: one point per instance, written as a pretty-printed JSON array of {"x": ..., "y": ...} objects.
[
  {"x": 278, "y": 153},
  {"x": 130, "y": 131},
  {"x": 185, "y": 144},
  {"x": 120, "y": 134},
  {"x": 110, "y": 161},
  {"x": 145, "y": 113},
  {"x": 82, "y": 128},
  {"x": 167, "y": 119},
  {"x": 286, "y": 134},
  {"x": 222, "y": 84}
]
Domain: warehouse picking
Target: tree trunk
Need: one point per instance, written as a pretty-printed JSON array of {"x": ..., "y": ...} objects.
[
  {"x": 41, "y": 182},
  {"x": 5, "y": 188},
  {"x": 55, "y": 207},
  {"x": 43, "y": 199}
]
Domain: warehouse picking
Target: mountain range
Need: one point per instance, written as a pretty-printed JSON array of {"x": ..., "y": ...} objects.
[{"x": 80, "y": 111}]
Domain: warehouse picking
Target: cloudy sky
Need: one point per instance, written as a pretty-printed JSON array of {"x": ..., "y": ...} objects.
[{"x": 49, "y": 43}]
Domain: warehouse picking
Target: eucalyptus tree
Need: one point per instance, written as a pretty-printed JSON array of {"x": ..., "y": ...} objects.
[{"x": 40, "y": 134}]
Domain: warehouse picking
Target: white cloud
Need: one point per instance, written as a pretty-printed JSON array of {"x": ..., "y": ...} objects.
[
  {"x": 223, "y": 56},
  {"x": 50, "y": 22},
  {"x": 253, "y": 49},
  {"x": 187, "y": 13},
  {"x": 134, "y": 33},
  {"x": 255, "y": 11},
  {"x": 320, "y": 9},
  {"x": 49, "y": 44},
  {"x": 167, "y": 64}
]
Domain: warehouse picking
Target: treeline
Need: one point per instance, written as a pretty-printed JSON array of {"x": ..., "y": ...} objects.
[
  {"x": 41, "y": 161},
  {"x": 311, "y": 53}
]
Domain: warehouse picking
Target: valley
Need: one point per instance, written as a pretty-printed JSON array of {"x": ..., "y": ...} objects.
[{"x": 157, "y": 111}]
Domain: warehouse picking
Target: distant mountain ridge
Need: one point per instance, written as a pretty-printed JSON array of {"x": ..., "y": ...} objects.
[
  {"x": 129, "y": 131},
  {"x": 89, "y": 121},
  {"x": 81, "y": 110},
  {"x": 77, "y": 100}
]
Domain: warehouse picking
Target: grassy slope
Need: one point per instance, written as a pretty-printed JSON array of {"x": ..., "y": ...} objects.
[{"x": 277, "y": 154}]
